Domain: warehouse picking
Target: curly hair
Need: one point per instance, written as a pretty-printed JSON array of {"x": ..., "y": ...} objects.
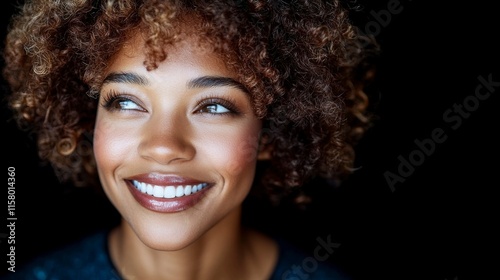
[{"x": 303, "y": 62}]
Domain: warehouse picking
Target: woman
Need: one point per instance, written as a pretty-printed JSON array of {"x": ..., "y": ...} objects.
[{"x": 185, "y": 100}]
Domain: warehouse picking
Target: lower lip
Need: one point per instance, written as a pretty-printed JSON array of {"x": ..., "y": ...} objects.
[{"x": 166, "y": 205}]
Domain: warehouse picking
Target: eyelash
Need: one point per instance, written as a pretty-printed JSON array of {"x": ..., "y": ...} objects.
[
  {"x": 113, "y": 96},
  {"x": 213, "y": 100}
]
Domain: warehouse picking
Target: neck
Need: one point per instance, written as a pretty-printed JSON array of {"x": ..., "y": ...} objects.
[{"x": 218, "y": 254}]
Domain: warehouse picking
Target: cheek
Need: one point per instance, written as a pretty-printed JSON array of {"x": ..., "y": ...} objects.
[
  {"x": 111, "y": 144},
  {"x": 236, "y": 153},
  {"x": 244, "y": 154}
]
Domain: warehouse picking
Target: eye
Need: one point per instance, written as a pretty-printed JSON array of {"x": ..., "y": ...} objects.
[
  {"x": 214, "y": 109},
  {"x": 126, "y": 104},
  {"x": 217, "y": 106},
  {"x": 114, "y": 102}
]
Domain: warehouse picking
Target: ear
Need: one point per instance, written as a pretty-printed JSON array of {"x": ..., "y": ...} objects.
[
  {"x": 265, "y": 149},
  {"x": 264, "y": 154}
]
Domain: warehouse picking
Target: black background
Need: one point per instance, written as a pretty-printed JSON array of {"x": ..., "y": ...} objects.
[{"x": 437, "y": 224}]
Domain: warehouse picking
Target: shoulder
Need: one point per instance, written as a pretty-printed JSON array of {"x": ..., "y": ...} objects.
[
  {"x": 294, "y": 263},
  {"x": 85, "y": 259}
]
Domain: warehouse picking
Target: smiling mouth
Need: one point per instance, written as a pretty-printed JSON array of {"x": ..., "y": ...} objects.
[{"x": 168, "y": 191}]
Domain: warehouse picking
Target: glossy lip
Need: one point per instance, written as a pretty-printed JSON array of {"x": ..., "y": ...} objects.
[{"x": 166, "y": 205}]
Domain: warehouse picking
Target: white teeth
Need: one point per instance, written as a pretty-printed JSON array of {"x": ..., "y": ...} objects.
[
  {"x": 179, "y": 191},
  {"x": 158, "y": 191},
  {"x": 187, "y": 190},
  {"x": 167, "y": 191}
]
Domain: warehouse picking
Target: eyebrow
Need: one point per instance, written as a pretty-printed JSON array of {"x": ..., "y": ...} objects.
[
  {"x": 215, "y": 81},
  {"x": 200, "y": 82},
  {"x": 125, "y": 77}
]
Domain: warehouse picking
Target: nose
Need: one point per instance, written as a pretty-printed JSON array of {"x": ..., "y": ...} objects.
[{"x": 166, "y": 139}]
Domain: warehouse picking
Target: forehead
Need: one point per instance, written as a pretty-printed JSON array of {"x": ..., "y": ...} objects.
[{"x": 188, "y": 50}]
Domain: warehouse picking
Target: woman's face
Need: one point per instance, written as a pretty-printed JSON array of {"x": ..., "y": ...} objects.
[{"x": 175, "y": 147}]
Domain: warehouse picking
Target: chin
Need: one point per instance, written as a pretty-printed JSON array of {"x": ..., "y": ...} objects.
[{"x": 166, "y": 239}]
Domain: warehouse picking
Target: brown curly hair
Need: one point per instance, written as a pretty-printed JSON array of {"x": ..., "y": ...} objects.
[{"x": 302, "y": 61}]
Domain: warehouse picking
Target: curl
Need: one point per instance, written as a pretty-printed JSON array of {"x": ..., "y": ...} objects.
[{"x": 303, "y": 63}]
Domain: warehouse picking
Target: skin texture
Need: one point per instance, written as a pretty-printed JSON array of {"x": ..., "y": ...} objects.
[
  {"x": 303, "y": 62},
  {"x": 301, "y": 102},
  {"x": 164, "y": 126}
]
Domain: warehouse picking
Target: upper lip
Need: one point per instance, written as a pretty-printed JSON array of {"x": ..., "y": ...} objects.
[{"x": 165, "y": 179}]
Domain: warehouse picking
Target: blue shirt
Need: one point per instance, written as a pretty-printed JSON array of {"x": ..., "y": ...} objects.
[{"x": 89, "y": 259}]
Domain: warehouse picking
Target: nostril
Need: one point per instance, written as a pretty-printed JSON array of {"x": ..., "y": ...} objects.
[{"x": 166, "y": 150}]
